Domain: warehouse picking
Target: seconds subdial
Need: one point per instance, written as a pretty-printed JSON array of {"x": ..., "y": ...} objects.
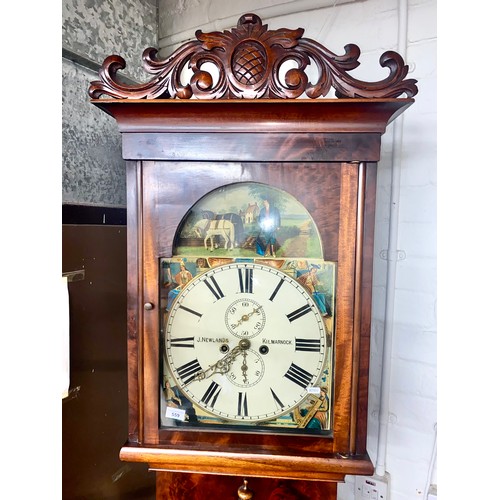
[
  {"x": 245, "y": 318},
  {"x": 248, "y": 370}
]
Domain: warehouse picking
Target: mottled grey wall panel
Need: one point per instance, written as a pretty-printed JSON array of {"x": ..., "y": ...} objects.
[
  {"x": 93, "y": 171},
  {"x": 96, "y": 29},
  {"x": 93, "y": 168}
]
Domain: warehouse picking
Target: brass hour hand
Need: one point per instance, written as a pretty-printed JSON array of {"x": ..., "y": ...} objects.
[{"x": 223, "y": 365}]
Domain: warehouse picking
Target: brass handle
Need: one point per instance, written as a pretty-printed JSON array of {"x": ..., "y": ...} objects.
[
  {"x": 148, "y": 306},
  {"x": 243, "y": 492}
]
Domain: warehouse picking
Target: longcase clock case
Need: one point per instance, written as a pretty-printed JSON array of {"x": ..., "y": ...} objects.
[{"x": 247, "y": 127}]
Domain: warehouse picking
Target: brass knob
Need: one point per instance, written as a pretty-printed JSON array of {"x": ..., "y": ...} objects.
[
  {"x": 148, "y": 306},
  {"x": 243, "y": 492}
]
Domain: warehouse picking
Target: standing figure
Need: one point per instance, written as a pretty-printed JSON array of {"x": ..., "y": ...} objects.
[
  {"x": 269, "y": 223},
  {"x": 183, "y": 276},
  {"x": 310, "y": 281}
]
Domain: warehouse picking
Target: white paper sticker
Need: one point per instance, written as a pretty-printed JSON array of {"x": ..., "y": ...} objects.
[
  {"x": 314, "y": 390},
  {"x": 175, "y": 413},
  {"x": 64, "y": 315}
]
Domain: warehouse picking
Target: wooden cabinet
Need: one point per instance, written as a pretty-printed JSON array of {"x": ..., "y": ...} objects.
[{"x": 321, "y": 153}]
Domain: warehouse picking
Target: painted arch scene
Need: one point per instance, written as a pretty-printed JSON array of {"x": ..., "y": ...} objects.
[{"x": 248, "y": 220}]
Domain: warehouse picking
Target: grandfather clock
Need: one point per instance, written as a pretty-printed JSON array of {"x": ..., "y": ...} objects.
[{"x": 250, "y": 252}]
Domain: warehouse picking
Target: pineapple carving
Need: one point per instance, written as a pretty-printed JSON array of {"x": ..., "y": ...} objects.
[{"x": 249, "y": 63}]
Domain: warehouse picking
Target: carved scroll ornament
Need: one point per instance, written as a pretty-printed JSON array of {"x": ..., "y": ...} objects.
[{"x": 248, "y": 60}]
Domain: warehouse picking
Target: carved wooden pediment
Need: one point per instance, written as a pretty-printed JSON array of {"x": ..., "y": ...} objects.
[{"x": 248, "y": 59}]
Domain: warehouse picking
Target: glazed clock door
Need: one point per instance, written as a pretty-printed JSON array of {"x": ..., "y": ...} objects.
[{"x": 214, "y": 366}]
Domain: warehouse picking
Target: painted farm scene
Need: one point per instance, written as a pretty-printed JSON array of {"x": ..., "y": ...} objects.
[{"x": 248, "y": 220}]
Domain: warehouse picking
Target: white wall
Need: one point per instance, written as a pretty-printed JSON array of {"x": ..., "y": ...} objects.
[{"x": 373, "y": 26}]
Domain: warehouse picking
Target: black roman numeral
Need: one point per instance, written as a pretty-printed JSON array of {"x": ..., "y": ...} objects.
[
  {"x": 277, "y": 399},
  {"x": 246, "y": 280},
  {"x": 188, "y": 371},
  {"x": 184, "y": 308},
  {"x": 276, "y": 290},
  {"x": 242, "y": 404},
  {"x": 215, "y": 289},
  {"x": 182, "y": 342},
  {"x": 298, "y": 375},
  {"x": 299, "y": 312},
  {"x": 210, "y": 397},
  {"x": 308, "y": 345}
]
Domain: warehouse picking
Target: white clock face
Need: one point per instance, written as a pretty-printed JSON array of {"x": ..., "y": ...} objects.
[{"x": 245, "y": 342}]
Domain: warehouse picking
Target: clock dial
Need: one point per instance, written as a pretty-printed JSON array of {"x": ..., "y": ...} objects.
[{"x": 245, "y": 342}]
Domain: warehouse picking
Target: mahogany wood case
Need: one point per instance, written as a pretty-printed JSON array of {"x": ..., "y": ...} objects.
[{"x": 182, "y": 141}]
